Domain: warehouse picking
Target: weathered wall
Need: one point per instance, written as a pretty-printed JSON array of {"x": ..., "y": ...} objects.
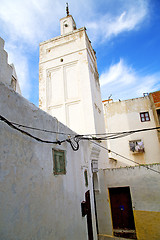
[
  {"x": 68, "y": 88},
  {"x": 155, "y": 103},
  {"x": 145, "y": 193},
  {"x": 7, "y": 72},
  {"x": 125, "y": 116},
  {"x": 36, "y": 204},
  {"x": 5, "y": 68},
  {"x": 69, "y": 84}
]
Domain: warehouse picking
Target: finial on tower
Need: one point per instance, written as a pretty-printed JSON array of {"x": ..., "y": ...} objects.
[{"x": 67, "y": 9}]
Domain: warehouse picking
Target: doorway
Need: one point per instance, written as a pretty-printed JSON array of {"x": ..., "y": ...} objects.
[
  {"x": 89, "y": 215},
  {"x": 122, "y": 213}
]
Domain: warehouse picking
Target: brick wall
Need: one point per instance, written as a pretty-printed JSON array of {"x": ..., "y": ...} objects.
[{"x": 156, "y": 98}]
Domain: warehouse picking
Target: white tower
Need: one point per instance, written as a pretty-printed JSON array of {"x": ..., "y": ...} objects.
[{"x": 69, "y": 82}]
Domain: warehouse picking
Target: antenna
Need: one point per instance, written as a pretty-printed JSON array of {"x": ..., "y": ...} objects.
[{"x": 67, "y": 9}]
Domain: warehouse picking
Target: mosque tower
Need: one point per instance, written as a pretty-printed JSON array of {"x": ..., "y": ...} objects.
[{"x": 69, "y": 86}]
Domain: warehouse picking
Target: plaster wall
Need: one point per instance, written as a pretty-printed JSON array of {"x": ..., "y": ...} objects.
[
  {"x": 69, "y": 84},
  {"x": 125, "y": 116},
  {"x": 5, "y": 68},
  {"x": 7, "y": 72},
  {"x": 64, "y": 62},
  {"x": 35, "y": 203},
  {"x": 74, "y": 61},
  {"x": 145, "y": 194}
]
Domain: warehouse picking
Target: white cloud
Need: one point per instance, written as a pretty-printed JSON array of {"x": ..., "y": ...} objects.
[
  {"x": 123, "y": 82},
  {"x": 28, "y": 22},
  {"x": 120, "y": 72},
  {"x": 34, "y": 20},
  {"x": 131, "y": 15}
]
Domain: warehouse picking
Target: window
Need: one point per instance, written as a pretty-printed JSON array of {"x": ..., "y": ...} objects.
[
  {"x": 86, "y": 178},
  {"x": 59, "y": 162},
  {"x": 144, "y": 116},
  {"x": 136, "y": 146},
  {"x": 13, "y": 83},
  {"x": 158, "y": 114}
]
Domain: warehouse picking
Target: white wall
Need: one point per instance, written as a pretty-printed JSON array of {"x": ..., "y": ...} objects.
[
  {"x": 5, "y": 68},
  {"x": 36, "y": 204},
  {"x": 64, "y": 86},
  {"x": 69, "y": 84},
  {"x": 7, "y": 72}
]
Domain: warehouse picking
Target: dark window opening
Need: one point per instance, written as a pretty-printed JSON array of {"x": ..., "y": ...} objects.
[
  {"x": 86, "y": 178},
  {"x": 158, "y": 114},
  {"x": 144, "y": 116}
]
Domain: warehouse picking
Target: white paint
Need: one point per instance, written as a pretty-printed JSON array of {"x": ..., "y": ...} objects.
[
  {"x": 36, "y": 204},
  {"x": 7, "y": 72},
  {"x": 69, "y": 82},
  {"x": 67, "y": 24}
]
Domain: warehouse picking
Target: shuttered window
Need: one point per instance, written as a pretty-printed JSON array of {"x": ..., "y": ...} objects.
[{"x": 59, "y": 162}]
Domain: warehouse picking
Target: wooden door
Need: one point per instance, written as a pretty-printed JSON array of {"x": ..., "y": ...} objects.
[{"x": 121, "y": 207}]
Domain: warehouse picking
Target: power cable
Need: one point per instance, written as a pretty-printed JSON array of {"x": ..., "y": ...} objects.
[
  {"x": 28, "y": 134},
  {"x": 74, "y": 146},
  {"x": 39, "y": 129},
  {"x": 106, "y": 135},
  {"x": 125, "y": 157}
]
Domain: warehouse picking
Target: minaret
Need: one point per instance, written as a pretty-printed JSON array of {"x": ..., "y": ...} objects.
[{"x": 69, "y": 86}]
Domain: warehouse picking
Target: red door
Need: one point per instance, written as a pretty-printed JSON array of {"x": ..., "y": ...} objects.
[{"x": 121, "y": 207}]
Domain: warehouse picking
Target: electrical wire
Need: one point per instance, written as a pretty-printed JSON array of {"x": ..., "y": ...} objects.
[
  {"x": 75, "y": 146},
  {"x": 77, "y": 138},
  {"x": 119, "y": 133},
  {"x": 39, "y": 129},
  {"x": 28, "y": 134},
  {"x": 124, "y": 157},
  {"x": 107, "y": 136}
]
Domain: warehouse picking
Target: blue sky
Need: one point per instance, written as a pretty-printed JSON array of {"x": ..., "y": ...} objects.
[{"x": 124, "y": 33}]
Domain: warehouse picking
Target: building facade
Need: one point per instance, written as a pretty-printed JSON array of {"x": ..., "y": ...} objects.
[
  {"x": 7, "y": 71},
  {"x": 54, "y": 186},
  {"x": 69, "y": 89},
  {"x": 142, "y": 147},
  {"x": 132, "y": 181},
  {"x": 69, "y": 82},
  {"x": 46, "y": 187}
]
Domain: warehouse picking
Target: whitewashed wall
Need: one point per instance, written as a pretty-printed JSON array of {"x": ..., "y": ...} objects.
[
  {"x": 7, "y": 72},
  {"x": 36, "y": 204}
]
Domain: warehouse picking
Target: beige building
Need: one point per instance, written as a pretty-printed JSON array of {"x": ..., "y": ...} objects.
[
  {"x": 142, "y": 147},
  {"x": 133, "y": 180}
]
